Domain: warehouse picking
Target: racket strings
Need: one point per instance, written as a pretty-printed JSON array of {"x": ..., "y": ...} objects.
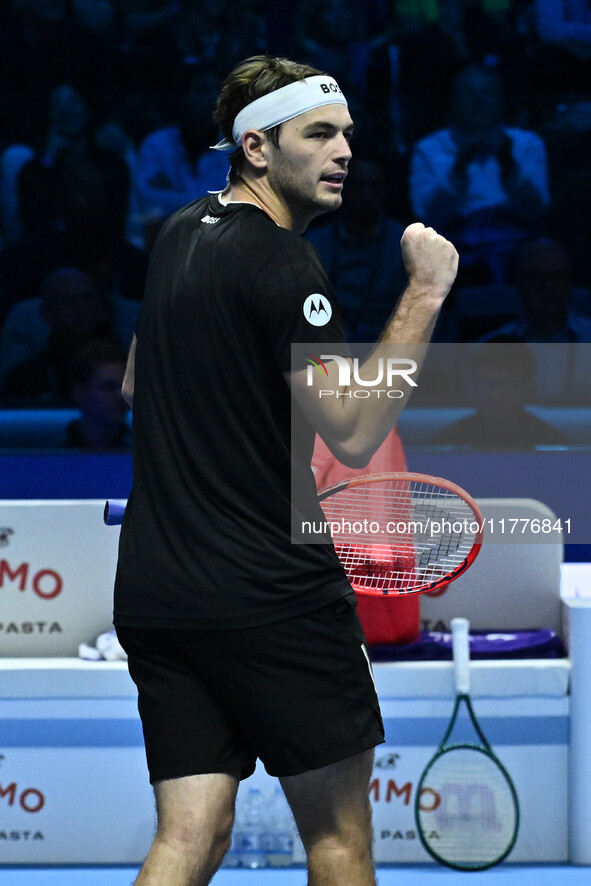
[
  {"x": 396, "y": 535},
  {"x": 467, "y": 812}
]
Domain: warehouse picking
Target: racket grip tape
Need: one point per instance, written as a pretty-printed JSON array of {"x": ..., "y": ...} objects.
[
  {"x": 460, "y": 631},
  {"x": 114, "y": 510}
]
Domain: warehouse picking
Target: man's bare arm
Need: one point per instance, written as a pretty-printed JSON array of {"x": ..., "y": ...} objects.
[
  {"x": 129, "y": 377},
  {"x": 352, "y": 427}
]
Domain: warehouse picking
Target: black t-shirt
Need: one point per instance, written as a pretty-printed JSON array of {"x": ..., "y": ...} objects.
[{"x": 206, "y": 537}]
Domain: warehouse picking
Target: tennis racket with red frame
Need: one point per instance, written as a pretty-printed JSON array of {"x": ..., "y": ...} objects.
[
  {"x": 394, "y": 533},
  {"x": 402, "y": 533}
]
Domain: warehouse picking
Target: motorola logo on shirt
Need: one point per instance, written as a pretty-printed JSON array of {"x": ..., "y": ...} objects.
[{"x": 317, "y": 309}]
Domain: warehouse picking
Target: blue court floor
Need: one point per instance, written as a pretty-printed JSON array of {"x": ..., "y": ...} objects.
[{"x": 403, "y": 875}]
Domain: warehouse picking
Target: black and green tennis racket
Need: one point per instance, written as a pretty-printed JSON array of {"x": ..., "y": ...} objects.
[{"x": 466, "y": 806}]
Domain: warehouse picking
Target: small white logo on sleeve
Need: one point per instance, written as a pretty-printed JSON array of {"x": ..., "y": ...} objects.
[{"x": 317, "y": 309}]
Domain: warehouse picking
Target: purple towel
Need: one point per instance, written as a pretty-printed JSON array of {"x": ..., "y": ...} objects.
[{"x": 436, "y": 646}]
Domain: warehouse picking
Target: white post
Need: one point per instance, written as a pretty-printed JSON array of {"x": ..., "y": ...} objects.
[{"x": 579, "y": 788}]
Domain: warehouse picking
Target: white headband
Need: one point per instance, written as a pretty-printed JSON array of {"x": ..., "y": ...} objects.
[{"x": 283, "y": 104}]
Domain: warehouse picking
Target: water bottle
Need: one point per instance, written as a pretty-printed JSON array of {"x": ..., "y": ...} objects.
[
  {"x": 251, "y": 834},
  {"x": 281, "y": 831}
]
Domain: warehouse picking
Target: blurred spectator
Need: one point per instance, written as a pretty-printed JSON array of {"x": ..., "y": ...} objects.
[
  {"x": 332, "y": 36},
  {"x": 567, "y": 133},
  {"x": 96, "y": 379},
  {"x": 93, "y": 201},
  {"x": 76, "y": 314},
  {"x": 175, "y": 165},
  {"x": 215, "y": 35},
  {"x": 479, "y": 310},
  {"x": 502, "y": 381},
  {"x": 544, "y": 279},
  {"x": 122, "y": 127},
  {"x": 429, "y": 52},
  {"x": 141, "y": 37},
  {"x": 486, "y": 29},
  {"x": 360, "y": 249},
  {"x": 436, "y": 38},
  {"x": 25, "y": 332},
  {"x": 66, "y": 138},
  {"x": 20, "y": 261},
  {"x": 560, "y": 337},
  {"x": 479, "y": 181},
  {"x": 91, "y": 205},
  {"x": 567, "y": 23},
  {"x": 146, "y": 32},
  {"x": 562, "y": 62}
]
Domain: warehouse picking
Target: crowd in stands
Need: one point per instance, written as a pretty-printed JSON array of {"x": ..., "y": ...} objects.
[{"x": 473, "y": 116}]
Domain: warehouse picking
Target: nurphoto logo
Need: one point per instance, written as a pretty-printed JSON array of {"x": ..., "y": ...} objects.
[{"x": 386, "y": 371}]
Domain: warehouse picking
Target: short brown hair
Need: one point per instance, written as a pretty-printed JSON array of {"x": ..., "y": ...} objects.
[{"x": 251, "y": 79}]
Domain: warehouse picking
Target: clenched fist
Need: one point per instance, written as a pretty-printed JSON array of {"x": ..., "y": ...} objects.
[{"x": 430, "y": 260}]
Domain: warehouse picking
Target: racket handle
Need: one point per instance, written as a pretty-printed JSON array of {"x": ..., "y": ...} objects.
[
  {"x": 114, "y": 510},
  {"x": 460, "y": 628}
]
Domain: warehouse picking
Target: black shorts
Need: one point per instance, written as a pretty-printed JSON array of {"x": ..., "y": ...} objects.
[{"x": 298, "y": 694}]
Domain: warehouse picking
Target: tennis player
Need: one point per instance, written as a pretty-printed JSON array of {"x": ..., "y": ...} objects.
[{"x": 242, "y": 644}]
